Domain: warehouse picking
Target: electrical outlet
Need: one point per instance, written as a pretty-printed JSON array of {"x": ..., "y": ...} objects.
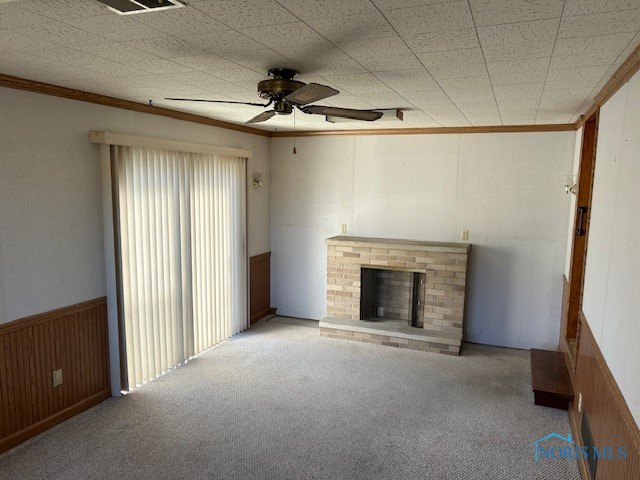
[
  {"x": 464, "y": 234},
  {"x": 57, "y": 377},
  {"x": 580, "y": 402},
  {"x": 343, "y": 228}
]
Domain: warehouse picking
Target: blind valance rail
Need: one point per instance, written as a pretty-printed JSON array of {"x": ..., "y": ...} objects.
[{"x": 111, "y": 138}]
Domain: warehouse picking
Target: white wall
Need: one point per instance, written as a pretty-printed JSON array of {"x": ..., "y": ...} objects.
[
  {"x": 51, "y": 251},
  {"x": 505, "y": 188},
  {"x": 612, "y": 276}
]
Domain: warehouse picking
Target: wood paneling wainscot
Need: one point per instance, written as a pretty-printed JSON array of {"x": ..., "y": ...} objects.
[
  {"x": 260, "y": 287},
  {"x": 609, "y": 417},
  {"x": 73, "y": 339}
]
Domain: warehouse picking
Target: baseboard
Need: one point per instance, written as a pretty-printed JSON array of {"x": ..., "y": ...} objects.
[
  {"x": 37, "y": 428},
  {"x": 262, "y": 314}
]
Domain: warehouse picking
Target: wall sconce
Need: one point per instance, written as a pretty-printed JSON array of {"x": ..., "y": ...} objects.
[
  {"x": 257, "y": 180},
  {"x": 570, "y": 185}
]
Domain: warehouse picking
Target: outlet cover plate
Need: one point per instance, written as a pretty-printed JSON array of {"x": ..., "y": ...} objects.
[{"x": 57, "y": 377}]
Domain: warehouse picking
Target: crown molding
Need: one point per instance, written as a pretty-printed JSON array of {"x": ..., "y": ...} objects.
[
  {"x": 64, "y": 92},
  {"x": 432, "y": 131},
  {"x": 18, "y": 83}
]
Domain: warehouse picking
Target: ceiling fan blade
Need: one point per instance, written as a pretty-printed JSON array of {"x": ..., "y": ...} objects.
[
  {"x": 366, "y": 115},
  {"x": 311, "y": 92},
  {"x": 261, "y": 117},
  {"x": 219, "y": 101}
]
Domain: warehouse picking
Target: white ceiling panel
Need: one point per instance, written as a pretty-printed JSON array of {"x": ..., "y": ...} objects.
[
  {"x": 514, "y": 78},
  {"x": 381, "y": 100},
  {"x": 579, "y": 61},
  {"x": 559, "y": 105},
  {"x": 454, "y": 63},
  {"x": 431, "y": 18},
  {"x": 13, "y": 17},
  {"x": 69, "y": 56},
  {"x": 259, "y": 60},
  {"x": 628, "y": 50},
  {"x": 419, "y": 119},
  {"x": 467, "y": 84},
  {"x": 63, "y": 10},
  {"x": 447, "y": 57},
  {"x": 578, "y": 85},
  {"x": 355, "y": 27},
  {"x": 481, "y": 120},
  {"x": 525, "y": 106},
  {"x": 391, "y": 63},
  {"x": 625, "y": 21},
  {"x": 284, "y": 35},
  {"x": 609, "y": 45},
  {"x": 245, "y": 13},
  {"x": 428, "y": 100},
  {"x": 544, "y": 118},
  {"x": 452, "y": 120},
  {"x": 580, "y": 7},
  {"x": 518, "y": 91},
  {"x": 479, "y": 104},
  {"x": 393, "y": 4},
  {"x": 329, "y": 62},
  {"x": 522, "y": 118},
  {"x": 523, "y": 65},
  {"x": 492, "y": 12},
  {"x": 223, "y": 42},
  {"x": 465, "y": 38},
  {"x": 115, "y": 28},
  {"x": 412, "y": 80},
  {"x": 113, "y": 69},
  {"x": 167, "y": 47},
  {"x": 565, "y": 95},
  {"x": 451, "y": 62},
  {"x": 577, "y": 74},
  {"x": 206, "y": 63},
  {"x": 456, "y": 70},
  {"x": 517, "y": 52},
  {"x": 311, "y": 10},
  {"x": 371, "y": 48},
  {"x": 180, "y": 20},
  {"x": 512, "y": 35}
]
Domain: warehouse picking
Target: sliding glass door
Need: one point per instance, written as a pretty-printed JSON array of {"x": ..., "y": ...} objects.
[{"x": 180, "y": 227}]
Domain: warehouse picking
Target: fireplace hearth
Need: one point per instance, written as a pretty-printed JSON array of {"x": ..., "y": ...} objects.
[{"x": 402, "y": 293}]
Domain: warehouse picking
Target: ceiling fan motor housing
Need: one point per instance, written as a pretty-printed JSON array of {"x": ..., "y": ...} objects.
[{"x": 278, "y": 87}]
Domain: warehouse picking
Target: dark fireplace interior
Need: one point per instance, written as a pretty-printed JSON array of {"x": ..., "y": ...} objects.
[{"x": 392, "y": 296}]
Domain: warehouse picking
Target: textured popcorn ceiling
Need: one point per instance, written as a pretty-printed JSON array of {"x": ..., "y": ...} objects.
[{"x": 445, "y": 63}]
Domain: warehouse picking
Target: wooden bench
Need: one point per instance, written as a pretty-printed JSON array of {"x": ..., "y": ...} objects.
[{"x": 549, "y": 379}]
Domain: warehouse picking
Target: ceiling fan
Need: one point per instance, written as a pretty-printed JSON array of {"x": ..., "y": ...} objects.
[{"x": 285, "y": 94}]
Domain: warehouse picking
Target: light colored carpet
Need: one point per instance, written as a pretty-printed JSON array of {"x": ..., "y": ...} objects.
[{"x": 280, "y": 402}]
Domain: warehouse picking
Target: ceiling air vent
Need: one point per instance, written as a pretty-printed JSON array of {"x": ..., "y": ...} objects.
[{"x": 129, "y": 7}]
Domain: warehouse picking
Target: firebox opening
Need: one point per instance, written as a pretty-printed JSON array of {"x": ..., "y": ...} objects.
[{"x": 392, "y": 296}]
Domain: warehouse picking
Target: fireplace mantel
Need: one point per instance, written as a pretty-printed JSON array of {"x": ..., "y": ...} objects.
[
  {"x": 443, "y": 267},
  {"x": 394, "y": 243}
]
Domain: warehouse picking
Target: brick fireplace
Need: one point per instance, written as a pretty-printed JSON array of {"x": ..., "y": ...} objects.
[{"x": 402, "y": 293}]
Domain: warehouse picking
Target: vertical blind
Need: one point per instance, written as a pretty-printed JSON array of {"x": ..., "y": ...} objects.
[{"x": 181, "y": 219}]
